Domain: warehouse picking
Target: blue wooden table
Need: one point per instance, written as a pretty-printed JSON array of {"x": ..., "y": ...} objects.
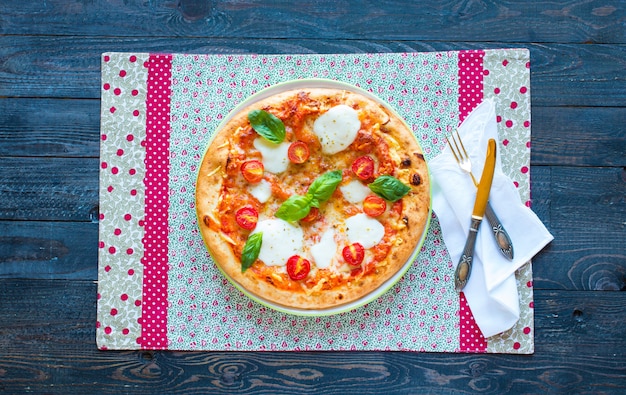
[{"x": 49, "y": 162}]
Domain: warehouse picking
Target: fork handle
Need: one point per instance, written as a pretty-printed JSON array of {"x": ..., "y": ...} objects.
[
  {"x": 464, "y": 268},
  {"x": 502, "y": 237}
]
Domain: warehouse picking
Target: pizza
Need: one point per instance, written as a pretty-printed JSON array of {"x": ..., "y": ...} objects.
[{"x": 313, "y": 198}]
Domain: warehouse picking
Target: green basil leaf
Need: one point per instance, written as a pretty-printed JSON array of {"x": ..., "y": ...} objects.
[
  {"x": 251, "y": 250},
  {"x": 295, "y": 208},
  {"x": 389, "y": 188},
  {"x": 267, "y": 125},
  {"x": 323, "y": 187}
]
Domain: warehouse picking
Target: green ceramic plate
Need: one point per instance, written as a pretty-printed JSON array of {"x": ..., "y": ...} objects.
[{"x": 321, "y": 83}]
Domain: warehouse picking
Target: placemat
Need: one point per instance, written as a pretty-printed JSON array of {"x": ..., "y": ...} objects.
[{"x": 158, "y": 288}]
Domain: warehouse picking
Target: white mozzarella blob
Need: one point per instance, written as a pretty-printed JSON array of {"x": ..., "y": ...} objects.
[
  {"x": 324, "y": 251},
  {"x": 261, "y": 191},
  {"x": 365, "y": 230},
  {"x": 275, "y": 159},
  {"x": 281, "y": 240},
  {"x": 355, "y": 191},
  {"x": 337, "y": 128}
]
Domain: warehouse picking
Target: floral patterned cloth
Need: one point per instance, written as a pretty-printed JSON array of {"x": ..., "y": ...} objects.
[{"x": 158, "y": 288}]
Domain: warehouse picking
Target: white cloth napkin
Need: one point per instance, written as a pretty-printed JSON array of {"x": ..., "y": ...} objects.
[{"x": 492, "y": 290}]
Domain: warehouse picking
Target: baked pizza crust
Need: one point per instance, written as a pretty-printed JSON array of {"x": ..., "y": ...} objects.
[{"x": 411, "y": 169}]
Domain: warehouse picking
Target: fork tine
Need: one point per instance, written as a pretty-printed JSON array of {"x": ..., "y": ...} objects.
[
  {"x": 453, "y": 147},
  {"x": 461, "y": 143},
  {"x": 460, "y": 154}
]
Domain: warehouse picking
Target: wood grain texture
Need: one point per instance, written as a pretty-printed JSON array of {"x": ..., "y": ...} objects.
[
  {"x": 49, "y": 189},
  {"x": 69, "y": 67},
  {"x": 49, "y": 162},
  {"x": 588, "y": 253},
  {"x": 48, "y": 250},
  {"x": 586, "y": 214},
  {"x": 559, "y": 135},
  {"x": 71, "y": 128},
  {"x": 45, "y": 127},
  {"x": 60, "y": 356},
  {"x": 505, "y": 21}
]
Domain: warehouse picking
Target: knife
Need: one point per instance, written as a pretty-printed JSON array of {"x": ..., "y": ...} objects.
[{"x": 464, "y": 268}]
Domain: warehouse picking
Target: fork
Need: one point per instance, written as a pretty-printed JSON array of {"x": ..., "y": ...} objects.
[{"x": 462, "y": 158}]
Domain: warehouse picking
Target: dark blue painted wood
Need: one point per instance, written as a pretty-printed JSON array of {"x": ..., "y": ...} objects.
[{"x": 49, "y": 128}]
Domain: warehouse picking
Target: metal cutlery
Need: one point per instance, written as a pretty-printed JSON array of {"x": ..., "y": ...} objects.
[
  {"x": 462, "y": 158},
  {"x": 464, "y": 268}
]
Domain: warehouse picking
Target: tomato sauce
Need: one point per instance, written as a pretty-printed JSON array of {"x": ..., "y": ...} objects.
[
  {"x": 363, "y": 142},
  {"x": 244, "y": 138}
]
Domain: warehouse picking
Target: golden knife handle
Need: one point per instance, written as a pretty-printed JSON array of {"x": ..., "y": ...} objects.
[
  {"x": 502, "y": 237},
  {"x": 464, "y": 268}
]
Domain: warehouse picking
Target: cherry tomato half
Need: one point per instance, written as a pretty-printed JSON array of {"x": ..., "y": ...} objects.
[
  {"x": 252, "y": 171},
  {"x": 374, "y": 205},
  {"x": 313, "y": 215},
  {"x": 363, "y": 167},
  {"x": 298, "y": 152},
  {"x": 353, "y": 254},
  {"x": 298, "y": 267},
  {"x": 247, "y": 217}
]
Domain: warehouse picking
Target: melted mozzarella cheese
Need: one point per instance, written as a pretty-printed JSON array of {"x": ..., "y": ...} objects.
[
  {"x": 354, "y": 191},
  {"x": 324, "y": 251},
  {"x": 337, "y": 128},
  {"x": 275, "y": 159},
  {"x": 261, "y": 191},
  {"x": 281, "y": 240},
  {"x": 365, "y": 230}
]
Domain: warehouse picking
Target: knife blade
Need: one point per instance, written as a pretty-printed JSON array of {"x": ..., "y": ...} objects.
[{"x": 464, "y": 268}]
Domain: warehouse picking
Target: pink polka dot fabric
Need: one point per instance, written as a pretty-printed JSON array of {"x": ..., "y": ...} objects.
[
  {"x": 471, "y": 338},
  {"x": 470, "y": 95},
  {"x": 155, "y": 259},
  {"x": 470, "y": 81}
]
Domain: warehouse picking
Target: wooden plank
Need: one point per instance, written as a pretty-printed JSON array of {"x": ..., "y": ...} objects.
[
  {"x": 49, "y": 127},
  {"x": 48, "y": 250},
  {"x": 584, "y": 210},
  {"x": 49, "y": 189},
  {"x": 48, "y": 345},
  {"x": 50, "y": 51},
  {"x": 71, "y": 192},
  {"x": 70, "y": 128},
  {"x": 561, "y": 75},
  {"x": 509, "y": 21},
  {"x": 69, "y": 67},
  {"x": 588, "y": 253},
  {"x": 578, "y": 136}
]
